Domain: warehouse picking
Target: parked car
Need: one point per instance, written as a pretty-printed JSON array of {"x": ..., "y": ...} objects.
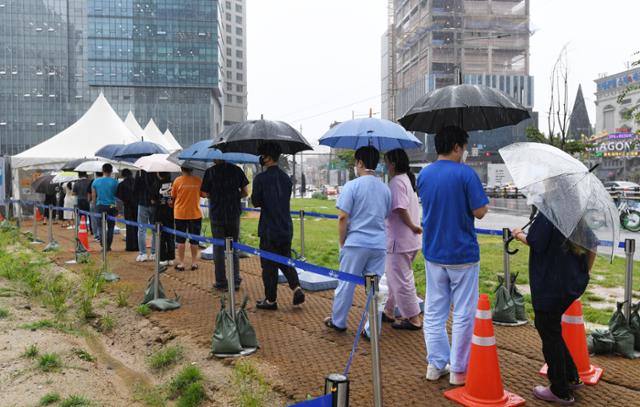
[{"x": 622, "y": 186}]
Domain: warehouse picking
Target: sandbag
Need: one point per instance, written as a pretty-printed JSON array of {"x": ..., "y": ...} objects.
[
  {"x": 505, "y": 309},
  {"x": 148, "y": 292},
  {"x": 225, "y": 335},
  {"x": 518, "y": 299},
  {"x": 622, "y": 334},
  {"x": 634, "y": 324},
  {"x": 246, "y": 332},
  {"x": 601, "y": 342},
  {"x": 82, "y": 254}
]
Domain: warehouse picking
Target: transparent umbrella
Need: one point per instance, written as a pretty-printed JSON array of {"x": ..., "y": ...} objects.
[{"x": 567, "y": 193}]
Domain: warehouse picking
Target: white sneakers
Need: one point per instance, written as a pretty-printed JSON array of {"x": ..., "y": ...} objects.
[
  {"x": 456, "y": 379},
  {"x": 166, "y": 263},
  {"x": 141, "y": 258},
  {"x": 433, "y": 373},
  {"x": 152, "y": 257}
]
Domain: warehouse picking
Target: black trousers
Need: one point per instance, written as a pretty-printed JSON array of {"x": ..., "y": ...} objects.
[
  {"x": 270, "y": 269},
  {"x": 131, "y": 214},
  {"x": 111, "y": 211},
  {"x": 164, "y": 215},
  {"x": 222, "y": 231},
  {"x": 49, "y": 200},
  {"x": 561, "y": 369}
]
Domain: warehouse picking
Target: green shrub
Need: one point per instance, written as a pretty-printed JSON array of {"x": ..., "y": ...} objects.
[
  {"x": 106, "y": 324},
  {"x": 83, "y": 355},
  {"x": 193, "y": 395},
  {"x": 165, "y": 358},
  {"x": 49, "y": 398},
  {"x": 143, "y": 310},
  {"x": 49, "y": 362},
  {"x": 4, "y": 313},
  {"x": 122, "y": 297},
  {"x": 186, "y": 377},
  {"x": 31, "y": 352},
  {"x": 75, "y": 401}
]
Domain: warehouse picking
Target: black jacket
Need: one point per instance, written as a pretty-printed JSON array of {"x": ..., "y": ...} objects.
[{"x": 271, "y": 193}]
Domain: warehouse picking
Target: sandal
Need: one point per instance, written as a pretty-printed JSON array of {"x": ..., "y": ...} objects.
[
  {"x": 405, "y": 324},
  {"x": 179, "y": 267},
  {"x": 385, "y": 318},
  {"x": 194, "y": 267},
  {"x": 328, "y": 322}
]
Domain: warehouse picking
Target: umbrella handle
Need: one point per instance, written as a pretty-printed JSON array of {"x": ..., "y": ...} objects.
[{"x": 512, "y": 238}]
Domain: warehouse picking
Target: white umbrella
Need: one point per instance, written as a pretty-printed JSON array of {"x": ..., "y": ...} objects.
[
  {"x": 93, "y": 166},
  {"x": 156, "y": 163}
]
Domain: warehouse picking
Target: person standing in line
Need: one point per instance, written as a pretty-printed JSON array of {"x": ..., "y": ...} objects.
[
  {"x": 452, "y": 197},
  {"x": 127, "y": 194},
  {"x": 272, "y": 194},
  {"x": 164, "y": 215},
  {"x": 82, "y": 192},
  {"x": 403, "y": 242},
  {"x": 187, "y": 214},
  {"x": 69, "y": 202},
  {"x": 364, "y": 205},
  {"x": 145, "y": 184},
  {"x": 558, "y": 275},
  {"x": 103, "y": 196},
  {"x": 225, "y": 185},
  {"x": 96, "y": 221}
]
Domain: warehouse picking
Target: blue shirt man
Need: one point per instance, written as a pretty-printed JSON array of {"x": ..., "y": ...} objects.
[
  {"x": 103, "y": 194},
  {"x": 364, "y": 204},
  {"x": 452, "y": 196}
]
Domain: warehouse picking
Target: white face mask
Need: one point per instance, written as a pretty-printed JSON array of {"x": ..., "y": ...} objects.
[
  {"x": 465, "y": 154},
  {"x": 355, "y": 171}
]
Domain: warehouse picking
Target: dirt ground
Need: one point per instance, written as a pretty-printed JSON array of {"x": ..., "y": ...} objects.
[{"x": 298, "y": 351}]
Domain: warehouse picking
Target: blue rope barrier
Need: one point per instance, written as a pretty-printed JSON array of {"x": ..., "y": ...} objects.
[{"x": 355, "y": 342}]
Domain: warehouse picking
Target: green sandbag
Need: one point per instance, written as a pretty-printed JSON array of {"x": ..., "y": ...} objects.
[
  {"x": 518, "y": 299},
  {"x": 148, "y": 292},
  {"x": 601, "y": 342},
  {"x": 505, "y": 309},
  {"x": 225, "y": 335},
  {"x": 82, "y": 255},
  {"x": 634, "y": 324},
  {"x": 245, "y": 329},
  {"x": 622, "y": 333}
]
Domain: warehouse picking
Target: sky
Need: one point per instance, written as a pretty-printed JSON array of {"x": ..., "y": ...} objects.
[{"x": 314, "y": 62}]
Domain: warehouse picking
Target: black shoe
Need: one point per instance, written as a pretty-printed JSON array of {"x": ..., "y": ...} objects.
[
  {"x": 221, "y": 287},
  {"x": 363, "y": 335},
  {"x": 298, "y": 296},
  {"x": 266, "y": 305}
]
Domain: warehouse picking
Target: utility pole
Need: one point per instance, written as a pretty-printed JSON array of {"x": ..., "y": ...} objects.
[{"x": 391, "y": 59}]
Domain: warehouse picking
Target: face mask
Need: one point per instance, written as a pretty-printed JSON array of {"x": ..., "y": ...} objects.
[
  {"x": 465, "y": 154},
  {"x": 355, "y": 171}
]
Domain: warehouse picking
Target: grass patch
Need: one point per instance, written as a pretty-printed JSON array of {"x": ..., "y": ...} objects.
[
  {"x": 186, "y": 377},
  {"x": 49, "y": 362},
  {"x": 31, "y": 352},
  {"x": 49, "y": 324},
  {"x": 122, "y": 297},
  {"x": 165, "y": 358},
  {"x": 597, "y": 316},
  {"x": 4, "y": 313},
  {"x": 83, "y": 355},
  {"x": 49, "y": 399},
  {"x": 8, "y": 292},
  {"x": 149, "y": 396},
  {"x": 592, "y": 297},
  {"x": 75, "y": 401},
  {"x": 106, "y": 324},
  {"x": 193, "y": 395},
  {"x": 252, "y": 389},
  {"x": 143, "y": 310}
]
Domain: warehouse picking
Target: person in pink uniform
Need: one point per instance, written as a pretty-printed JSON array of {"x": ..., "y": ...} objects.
[{"x": 403, "y": 242}]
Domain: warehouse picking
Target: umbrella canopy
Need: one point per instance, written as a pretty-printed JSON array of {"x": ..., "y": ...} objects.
[
  {"x": 471, "y": 107},
  {"x": 93, "y": 166},
  {"x": 140, "y": 149},
  {"x": 71, "y": 165},
  {"x": 110, "y": 151},
  {"x": 200, "y": 151},
  {"x": 565, "y": 192},
  {"x": 247, "y": 136},
  {"x": 67, "y": 176},
  {"x": 43, "y": 184},
  {"x": 156, "y": 163},
  {"x": 382, "y": 134}
]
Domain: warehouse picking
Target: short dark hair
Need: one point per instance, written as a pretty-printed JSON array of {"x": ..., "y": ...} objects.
[
  {"x": 107, "y": 168},
  {"x": 99, "y": 174},
  {"x": 369, "y": 156},
  {"x": 450, "y": 136},
  {"x": 82, "y": 174},
  {"x": 270, "y": 149},
  {"x": 186, "y": 169},
  {"x": 126, "y": 173}
]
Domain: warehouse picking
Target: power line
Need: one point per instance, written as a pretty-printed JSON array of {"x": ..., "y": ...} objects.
[{"x": 335, "y": 109}]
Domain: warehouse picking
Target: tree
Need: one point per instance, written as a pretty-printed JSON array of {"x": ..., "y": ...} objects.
[
  {"x": 632, "y": 113},
  {"x": 569, "y": 146}
]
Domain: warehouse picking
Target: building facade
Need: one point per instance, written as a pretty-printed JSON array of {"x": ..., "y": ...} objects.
[
  {"x": 432, "y": 44},
  {"x": 610, "y": 114},
  {"x": 235, "y": 66},
  {"x": 159, "y": 59}
]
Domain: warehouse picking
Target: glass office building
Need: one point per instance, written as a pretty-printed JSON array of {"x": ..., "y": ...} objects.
[{"x": 160, "y": 59}]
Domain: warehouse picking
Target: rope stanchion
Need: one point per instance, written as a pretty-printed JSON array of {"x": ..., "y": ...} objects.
[
  {"x": 231, "y": 282},
  {"x": 51, "y": 244},
  {"x": 34, "y": 229},
  {"x": 106, "y": 274}
]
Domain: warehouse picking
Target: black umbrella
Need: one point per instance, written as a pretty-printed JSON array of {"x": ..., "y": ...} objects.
[
  {"x": 471, "y": 107},
  {"x": 247, "y": 136},
  {"x": 43, "y": 184},
  {"x": 140, "y": 149},
  {"x": 71, "y": 165}
]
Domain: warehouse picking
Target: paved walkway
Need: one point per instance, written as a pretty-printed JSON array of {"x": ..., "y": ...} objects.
[{"x": 303, "y": 351}]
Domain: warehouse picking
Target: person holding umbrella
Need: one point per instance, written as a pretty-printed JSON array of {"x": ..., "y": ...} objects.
[
  {"x": 271, "y": 193},
  {"x": 127, "y": 194},
  {"x": 452, "y": 197},
  {"x": 103, "y": 195}
]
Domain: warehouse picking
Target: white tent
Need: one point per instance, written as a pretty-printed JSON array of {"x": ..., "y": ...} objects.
[
  {"x": 133, "y": 125},
  {"x": 172, "y": 140},
  {"x": 99, "y": 126},
  {"x": 152, "y": 133}
]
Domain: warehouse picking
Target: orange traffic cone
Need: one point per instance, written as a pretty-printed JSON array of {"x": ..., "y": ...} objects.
[
  {"x": 39, "y": 217},
  {"x": 574, "y": 336},
  {"x": 83, "y": 236},
  {"x": 484, "y": 384}
]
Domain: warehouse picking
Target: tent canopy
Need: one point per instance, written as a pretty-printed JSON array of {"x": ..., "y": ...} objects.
[
  {"x": 100, "y": 125},
  {"x": 153, "y": 134},
  {"x": 175, "y": 146},
  {"x": 132, "y": 124}
]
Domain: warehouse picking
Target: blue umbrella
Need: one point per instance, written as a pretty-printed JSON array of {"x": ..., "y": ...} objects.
[
  {"x": 382, "y": 134},
  {"x": 140, "y": 149},
  {"x": 200, "y": 151}
]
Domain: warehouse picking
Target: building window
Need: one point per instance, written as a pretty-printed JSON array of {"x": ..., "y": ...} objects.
[
  {"x": 239, "y": 88},
  {"x": 240, "y": 99},
  {"x": 229, "y": 87},
  {"x": 229, "y": 65},
  {"x": 228, "y": 5},
  {"x": 228, "y": 17},
  {"x": 239, "y": 53},
  {"x": 228, "y": 52},
  {"x": 228, "y": 74},
  {"x": 608, "y": 118},
  {"x": 239, "y": 65},
  {"x": 229, "y": 98},
  {"x": 227, "y": 28},
  {"x": 238, "y": 8},
  {"x": 238, "y": 19},
  {"x": 239, "y": 42},
  {"x": 228, "y": 39},
  {"x": 240, "y": 76},
  {"x": 238, "y": 30}
]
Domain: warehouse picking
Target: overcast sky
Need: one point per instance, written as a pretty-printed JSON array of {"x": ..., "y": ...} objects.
[{"x": 313, "y": 62}]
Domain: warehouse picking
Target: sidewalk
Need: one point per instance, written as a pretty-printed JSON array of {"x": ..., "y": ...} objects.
[{"x": 302, "y": 351}]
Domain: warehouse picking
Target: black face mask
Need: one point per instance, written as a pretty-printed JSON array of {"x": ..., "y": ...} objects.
[{"x": 261, "y": 160}]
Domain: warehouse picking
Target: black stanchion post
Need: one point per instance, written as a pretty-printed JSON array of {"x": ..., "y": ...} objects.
[
  {"x": 371, "y": 286},
  {"x": 302, "y": 233},
  {"x": 51, "y": 243},
  {"x": 629, "y": 251},
  {"x": 506, "y": 235},
  {"x": 156, "y": 283},
  {"x": 338, "y": 385},
  {"x": 19, "y": 214},
  {"x": 231, "y": 282}
]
